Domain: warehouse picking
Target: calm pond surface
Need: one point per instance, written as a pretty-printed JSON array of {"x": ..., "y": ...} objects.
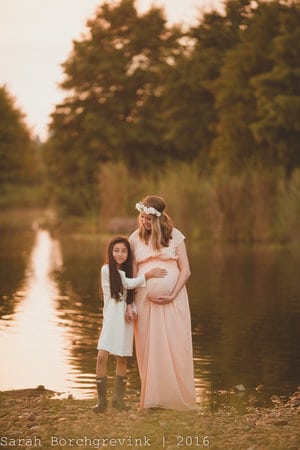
[{"x": 245, "y": 305}]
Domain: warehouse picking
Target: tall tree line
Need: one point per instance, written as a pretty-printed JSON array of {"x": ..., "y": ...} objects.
[
  {"x": 18, "y": 162},
  {"x": 223, "y": 94}
]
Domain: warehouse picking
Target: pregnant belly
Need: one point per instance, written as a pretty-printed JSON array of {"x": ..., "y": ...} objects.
[{"x": 157, "y": 287}]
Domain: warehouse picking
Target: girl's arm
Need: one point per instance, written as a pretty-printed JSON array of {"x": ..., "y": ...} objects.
[
  {"x": 104, "y": 274},
  {"x": 132, "y": 283},
  {"x": 184, "y": 274}
]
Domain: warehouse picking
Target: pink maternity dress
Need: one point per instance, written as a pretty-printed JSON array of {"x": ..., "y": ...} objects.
[{"x": 163, "y": 337}]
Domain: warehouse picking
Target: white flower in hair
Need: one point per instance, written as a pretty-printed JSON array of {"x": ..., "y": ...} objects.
[{"x": 147, "y": 209}]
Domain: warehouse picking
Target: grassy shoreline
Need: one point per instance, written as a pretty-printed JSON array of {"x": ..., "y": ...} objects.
[
  {"x": 31, "y": 418},
  {"x": 255, "y": 206}
]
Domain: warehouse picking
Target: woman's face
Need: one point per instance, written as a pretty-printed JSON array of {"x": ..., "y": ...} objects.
[
  {"x": 146, "y": 220},
  {"x": 120, "y": 253}
]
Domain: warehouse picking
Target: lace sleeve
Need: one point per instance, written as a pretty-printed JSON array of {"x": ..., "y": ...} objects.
[
  {"x": 105, "y": 285},
  {"x": 177, "y": 237},
  {"x": 132, "y": 283}
]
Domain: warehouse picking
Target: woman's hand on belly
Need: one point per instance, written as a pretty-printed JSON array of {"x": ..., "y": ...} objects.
[
  {"x": 156, "y": 272},
  {"x": 162, "y": 300}
]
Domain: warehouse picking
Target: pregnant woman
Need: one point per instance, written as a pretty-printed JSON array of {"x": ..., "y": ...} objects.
[{"x": 163, "y": 337}]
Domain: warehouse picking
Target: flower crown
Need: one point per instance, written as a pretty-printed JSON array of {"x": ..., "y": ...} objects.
[{"x": 147, "y": 210}]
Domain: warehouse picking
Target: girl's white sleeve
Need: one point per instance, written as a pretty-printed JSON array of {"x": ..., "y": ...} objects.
[
  {"x": 131, "y": 283},
  {"x": 105, "y": 281}
]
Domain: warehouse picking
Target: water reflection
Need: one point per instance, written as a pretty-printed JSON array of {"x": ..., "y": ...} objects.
[
  {"x": 244, "y": 304},
  {"x": 15, "y": 248},
  {"x": 32, "y": 346},
  {"x": 245, "y": 308}
]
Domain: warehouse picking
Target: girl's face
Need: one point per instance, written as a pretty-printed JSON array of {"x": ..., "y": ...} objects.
[
  {"x": 146, "y": 220},
  {"x": 120, "y": 253}
]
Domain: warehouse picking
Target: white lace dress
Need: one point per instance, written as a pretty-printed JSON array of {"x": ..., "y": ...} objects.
[{"x": 116, "y": 335}]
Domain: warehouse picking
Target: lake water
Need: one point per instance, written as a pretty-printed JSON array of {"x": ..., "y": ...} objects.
[{"x": 245, "y": 306}]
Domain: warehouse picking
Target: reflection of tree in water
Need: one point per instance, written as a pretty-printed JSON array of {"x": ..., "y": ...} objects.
[
  {"x": 15, "y": 248},
  {"x": 79, "y": 306},
  {"x": 243, "y": 305}
]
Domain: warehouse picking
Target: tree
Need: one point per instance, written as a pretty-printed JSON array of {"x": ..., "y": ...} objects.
[
  {"x": 17, "y": 158},
  {"x": 115, "y": 77},
  {"x": 190, "y": 97},
  {"x": 235, "y": 146},
  {"x": 277, "y": 92}
]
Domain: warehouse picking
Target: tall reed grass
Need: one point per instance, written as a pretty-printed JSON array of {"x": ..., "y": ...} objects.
[
  {"x": 22, "y": 195},
  {"x": 255, "y": 206}
]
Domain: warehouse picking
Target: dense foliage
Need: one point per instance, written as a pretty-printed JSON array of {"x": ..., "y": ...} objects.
[
  {"x": 223, "y": 95},
  {"x": 17, "y": 156},
  {"x": 115, "y": 77},
  {"x": 258, "y": 92}
]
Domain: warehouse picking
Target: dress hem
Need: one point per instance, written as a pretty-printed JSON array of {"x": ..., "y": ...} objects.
[
  {"x": 123, "y": 354},
  {"x": 177, "y": 408}
]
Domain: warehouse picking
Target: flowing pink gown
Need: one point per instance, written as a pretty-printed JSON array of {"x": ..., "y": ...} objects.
[{"x": 163, "y": 339}]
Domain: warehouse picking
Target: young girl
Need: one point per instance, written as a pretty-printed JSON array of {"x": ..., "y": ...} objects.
[{"x": 118, "y": 314}]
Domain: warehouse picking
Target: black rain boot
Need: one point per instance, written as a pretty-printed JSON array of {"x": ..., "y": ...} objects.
[
  {"x": 101, "y": 390},
  {"x": 118, "y": 401}
]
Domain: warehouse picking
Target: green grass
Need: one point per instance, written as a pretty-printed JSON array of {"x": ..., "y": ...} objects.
[
  {"x": 22, "y": 196},
  {"x": 254, "y": 206}
]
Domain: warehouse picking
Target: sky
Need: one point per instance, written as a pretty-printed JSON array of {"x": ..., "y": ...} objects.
[{"x": 36, "y": 37}]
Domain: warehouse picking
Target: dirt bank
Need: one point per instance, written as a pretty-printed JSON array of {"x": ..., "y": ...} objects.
[{"x": 32, "y": 419}]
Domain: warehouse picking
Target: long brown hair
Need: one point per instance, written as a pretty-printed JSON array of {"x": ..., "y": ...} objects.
[
  {"x": 161, "y": 226},
  {"x": 116, "y": 286}
]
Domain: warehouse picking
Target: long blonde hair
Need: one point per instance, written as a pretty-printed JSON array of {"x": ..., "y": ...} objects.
[{"x": 161, "y": 226}]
